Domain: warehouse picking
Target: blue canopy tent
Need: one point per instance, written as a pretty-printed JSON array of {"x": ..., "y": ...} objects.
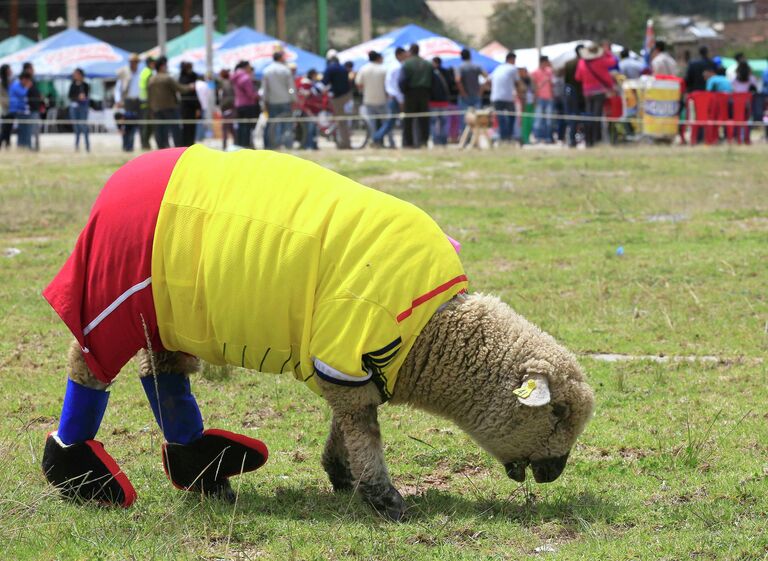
[
  {"x": 60, "y": 54},
  {"x": 13, "y": 44},
  {"x": 245, "y": 43},
  {"x": 430, "y": 45}
]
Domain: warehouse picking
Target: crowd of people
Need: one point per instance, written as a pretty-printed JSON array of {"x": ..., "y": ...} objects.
[{"x": 546, "y": 105}]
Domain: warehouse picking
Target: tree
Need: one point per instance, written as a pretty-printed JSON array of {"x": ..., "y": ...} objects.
[{"x": 568, "y": 20}]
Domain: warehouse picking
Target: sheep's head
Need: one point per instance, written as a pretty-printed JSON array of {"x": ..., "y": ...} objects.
[{"x": 534, "y": 397}]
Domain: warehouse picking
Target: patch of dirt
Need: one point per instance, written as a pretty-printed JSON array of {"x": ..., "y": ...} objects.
[
  {"x": 255, "y": 419},
  {"x": 397, "y": 176}
]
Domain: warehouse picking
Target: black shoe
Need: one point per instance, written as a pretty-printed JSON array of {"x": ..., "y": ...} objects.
[
  {"x": 85, "y": 471},
  {"x": 206, "y": 464}
]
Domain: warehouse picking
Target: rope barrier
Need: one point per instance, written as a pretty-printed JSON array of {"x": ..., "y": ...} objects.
[{"x": 357, "y": 117}]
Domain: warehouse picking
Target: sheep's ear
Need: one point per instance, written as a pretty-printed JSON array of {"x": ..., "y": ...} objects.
[{"x": 534, "y": 391}]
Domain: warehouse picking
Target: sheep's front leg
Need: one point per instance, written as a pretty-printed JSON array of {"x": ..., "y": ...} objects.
[
  {"x": 355, "y": 420},
  {"x": 336, "y": 459}
]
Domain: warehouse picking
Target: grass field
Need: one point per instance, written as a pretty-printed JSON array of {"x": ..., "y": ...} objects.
[{"x": 673, "y": 466}]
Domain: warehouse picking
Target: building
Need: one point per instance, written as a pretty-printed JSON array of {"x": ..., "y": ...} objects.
[{"x": 750, "y": 25}]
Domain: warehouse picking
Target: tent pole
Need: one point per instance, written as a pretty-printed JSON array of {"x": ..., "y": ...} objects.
[
  {"x": 281, "y": 20},
  {"x": 322, "y": 26},
  {"x": 42, "y": 19},
  {"x": 161, "y": 31},
  {"x": 260, "y": 16},
  {"x": 365, "y": 20},
  {"x": 208, "y": 23},
  {"x": 14, "y": 18},
  {"x": 72, "y": 16},
  {"x": 221, "y": 16},
  {"x": 539, "y": 22},
  {"x": 186, "y": 16}
]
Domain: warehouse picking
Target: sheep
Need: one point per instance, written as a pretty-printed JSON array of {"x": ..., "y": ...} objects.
[{"x": 364, "y": 333}]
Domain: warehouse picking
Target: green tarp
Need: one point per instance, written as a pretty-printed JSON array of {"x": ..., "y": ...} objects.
[
  {"x": 758, "y": 65},
  {"x": 192, "y": 39},
  {"x": 13, "y": 44}
]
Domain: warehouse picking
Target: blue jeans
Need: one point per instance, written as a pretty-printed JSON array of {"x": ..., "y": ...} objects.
[
  {"x": 279, "y": 134},
  {"x": 167, "y": 129},
  {"x": 385, "y": 130},
  {"x": 79, "y": 114},
  {"x": 572, "y": 110},
  {"x": 542, "y": 127},
  {"x": 129, "y": 131},
  {"x": 310, "y": 136},
  {"x": 439, "y": 126},
  {"x": 505, "y": 119},
  {"x": 374, "y": 116},
  {"x": 23, "y": 130}
]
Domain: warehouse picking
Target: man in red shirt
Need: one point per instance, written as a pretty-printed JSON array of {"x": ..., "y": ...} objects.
[{"x": 545, "y": 100}]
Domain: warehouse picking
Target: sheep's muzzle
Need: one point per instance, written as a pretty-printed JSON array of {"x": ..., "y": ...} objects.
[{"x": 548, "y": 469}]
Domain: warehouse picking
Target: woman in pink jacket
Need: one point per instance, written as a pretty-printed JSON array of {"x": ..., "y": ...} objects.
[
  {"x": 594, "y": 73},
  {"x": 246, "y": 103}
]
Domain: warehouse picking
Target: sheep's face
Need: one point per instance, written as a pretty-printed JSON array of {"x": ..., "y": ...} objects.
[{"x": 538, "y": 430}]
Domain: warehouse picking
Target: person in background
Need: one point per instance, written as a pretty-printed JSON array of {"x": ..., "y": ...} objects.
[
  {"x": 395, "y": 98},
  {"x": 503, "y": 89},
  {"x": 226, "y": 95},
  {"x": 279, "y": 94},
  {"x": 127, "y": 98},
  {"x": 204, "y": 97},
  {"x": 36, "y": 105},
  {"x": 630, "y": 67},
  {"x": 79, "y": 96},
  {"x": 145, "y": 113},
  {"x": 18, "y": 108},
  {"x": 246, "y": 103},
  {"x": 190, "y": 104},
  {"x": 574, "y": 97},
  {"x": 542, "y": 79},
  {"x": 717, "y": 82},
  {"x": 439, "y": 102},
  {"x": 593, "y": 71},
  {"x": 661, "y": 61},
  {"x": 370, "y": 80},
  {"x": 526, "y": 97},
  {"x": 6, "y": 121},
  {"x": 309, "y": 93},
  {"x": 468, "y": 81},
  {"x": 744, "y": 81},
  {"x": 416, "y": 84},
  {"x": 163, "y": 93},
  {"x": 336, "y": 79},
  {"x": 694, "y": 74}
]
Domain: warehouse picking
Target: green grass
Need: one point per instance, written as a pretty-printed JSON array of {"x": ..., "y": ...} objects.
[{"x": 673, "y": 466}]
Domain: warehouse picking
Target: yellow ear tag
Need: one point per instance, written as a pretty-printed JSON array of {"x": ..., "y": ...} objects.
[{"x": 526, "y": 389}]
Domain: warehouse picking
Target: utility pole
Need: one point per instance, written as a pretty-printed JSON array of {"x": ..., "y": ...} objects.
[
  {"x": 260, "y": 16},
  {"x": 365, "y": 20},
  {"x": 539, "y": 22},
  {"x": 186, "y": 16},
  {"x": 42, "y": 19},
  {"x": 208, "y": 23},
  {"x": 322, "y": 26},
  {"x": 281, "y": 34},
  {"x": 72, "y": 17},
  {"x": 222, "y": 16},
  {"x": 162, "y": 37},
  {"x": 14, "y": 18}
]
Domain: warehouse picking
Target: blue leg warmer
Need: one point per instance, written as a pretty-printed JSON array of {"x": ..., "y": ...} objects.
[
  {"x": 81, "y": 413},
  {"x": 175, "y": 409}
]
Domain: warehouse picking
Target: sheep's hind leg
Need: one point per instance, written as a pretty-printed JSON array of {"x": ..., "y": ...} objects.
[{"x": 336, "y": 459}]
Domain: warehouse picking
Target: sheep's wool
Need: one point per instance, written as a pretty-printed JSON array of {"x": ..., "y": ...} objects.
[{"x": 270, "y": 262}]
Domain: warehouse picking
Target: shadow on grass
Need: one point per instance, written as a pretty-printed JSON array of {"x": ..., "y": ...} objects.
[{"x": 570, "y": 509}]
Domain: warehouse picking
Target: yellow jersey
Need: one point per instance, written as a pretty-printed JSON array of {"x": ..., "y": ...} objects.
[{"x": 270, "y": 262}]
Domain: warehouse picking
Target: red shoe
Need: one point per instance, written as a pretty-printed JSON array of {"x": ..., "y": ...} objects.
[
  {"x": 86, "y": 472},
  {"x": 206, "y": 464}
]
